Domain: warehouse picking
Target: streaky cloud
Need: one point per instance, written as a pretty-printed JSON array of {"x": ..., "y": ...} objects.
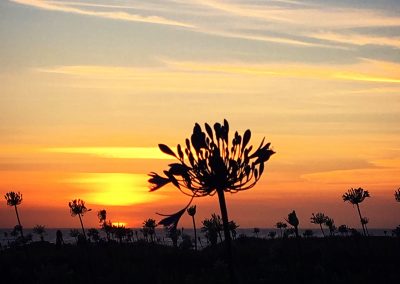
[
  {"x": 358, "y": 39},
  {"x": 114, "y": 15},
  {"x": 112, "y": 152}
]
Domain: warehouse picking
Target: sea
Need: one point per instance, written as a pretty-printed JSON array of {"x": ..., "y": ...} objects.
[{"x": 50, "y": 234}]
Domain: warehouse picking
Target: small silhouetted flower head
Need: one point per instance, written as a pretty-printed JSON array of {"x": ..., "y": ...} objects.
[
  {"x": 355, "y": 195},
  {"x": 192, "y": 210},
  {"x": 397, "y": 195},
  {"x": 13, "y": 198},
  {"x": 102, "y": 215}
]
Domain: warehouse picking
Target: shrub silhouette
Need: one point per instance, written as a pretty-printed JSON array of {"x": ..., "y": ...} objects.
[
  {"x": 15, "y": 199},
  {"x": 77, "y": 207},
  {"x": 280, "y": 226},
  {"x": 355, "y": 196},
  {"x": 256, "y": 231},
  {"x": 212, "y": 164},
  {"x": 294, "y": 221},
  {"x": 343, "y": 230},
  {"x": 212, "y": 228},
  {"x": 232, "y": 228},
  {"x": 308, "y": 233},
  {"x": 149, "y": 228},
  {"x": 272, "y": 234},
  {"x": 94, "y": 235},
  {"x": 40, "y": 230}
]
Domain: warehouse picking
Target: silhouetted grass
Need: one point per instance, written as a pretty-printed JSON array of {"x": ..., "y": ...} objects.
[{"x": 311, "y": 260}]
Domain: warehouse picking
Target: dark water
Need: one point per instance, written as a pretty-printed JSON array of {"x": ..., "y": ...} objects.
[{"x": 50, "y": 234}]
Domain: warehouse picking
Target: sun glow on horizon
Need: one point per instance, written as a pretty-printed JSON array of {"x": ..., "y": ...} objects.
[
  {"x": 113, "y": 188},
  {"x": 119, "y": 224}
]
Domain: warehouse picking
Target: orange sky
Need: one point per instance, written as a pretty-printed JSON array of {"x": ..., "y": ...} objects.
[{"x": 89, "y": 88}]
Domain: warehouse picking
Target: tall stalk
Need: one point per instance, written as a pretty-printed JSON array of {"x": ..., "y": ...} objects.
[
  {"x": 227, "y": 233},
  {"x": 83, "y": 229},
  {"x": 322, "y": 230},
  {"x": 195, "y": 233},
  {"x": 359, "y": 213},
  {"x": 19, "y": 221}
]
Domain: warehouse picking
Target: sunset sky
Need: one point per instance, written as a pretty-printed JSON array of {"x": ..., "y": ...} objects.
[{"x": 88, "y": 89}]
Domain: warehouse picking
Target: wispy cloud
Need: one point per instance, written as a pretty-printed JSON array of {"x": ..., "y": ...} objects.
[
  {"x": 281, "y": 22},
  {"x": 358, "y": 39},
  {"x": 319, "y": 15},
  {"x": 112, "y": 152},
  {"x": 365, "y": 70},
  {"x": 115, "y": 15}
]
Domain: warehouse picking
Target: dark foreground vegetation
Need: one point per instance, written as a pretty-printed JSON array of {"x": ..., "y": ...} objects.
[{"x": 305, "y": 260}]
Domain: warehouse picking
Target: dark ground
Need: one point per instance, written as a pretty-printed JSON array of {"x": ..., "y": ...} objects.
[{"x": 314, "y": 260}]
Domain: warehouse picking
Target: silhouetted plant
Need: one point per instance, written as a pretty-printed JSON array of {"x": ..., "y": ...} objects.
[
  {"x": 397, "y": 195},
  {"x": 294, "y": 221},
  {"x": 15, "y": 199},
  {"x": 40, "y": 230},
  {"x": 94, "y": 235},
  {"x": 149, "y": 226},
  {"x": 74, "y": 233},
  {"x": 120, "y": 232},
  {"x": 102, "y": 215},
  {"x": 173, "y": 233},
  {"x": 288, "y": 232},
  {"x": 256, "y": 231},
  {"x": 319, "y": 219},
  {"x": 354, "y": 232},
  {"x": 364, "y": 222},
  {"x": 192, "y": 211},
  {"x": 77, "y": 207},
  {"x": 330, "y": 223},
  {"x": 212, "y": 229},
  {"x": 59, "y": 239},
  {"x": 186, "y": 242},
  {"x": 355, "y": 196},
  {"x": 210, "y": 164},
  {"x": 105, "y": 225},
  {"x": 272, "y": 234},
  {"x": 343, "y": 230},
  {"x": 129, "y": 234},
  {"x": 396, "y": 232},
  {"x": 280, "y": 226},
  {"x": 308, "y": 233},
  {"x": 232, "y": 228}
]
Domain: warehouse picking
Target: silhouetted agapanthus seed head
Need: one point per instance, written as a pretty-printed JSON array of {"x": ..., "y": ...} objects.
[
  {"x": 318, "y": 218},
  {"x": 13, "y": 198},
  {"x": 209, "y": 161},
  {"x": 355, "y": 195},
  {"x": 77, "y": 207}
]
